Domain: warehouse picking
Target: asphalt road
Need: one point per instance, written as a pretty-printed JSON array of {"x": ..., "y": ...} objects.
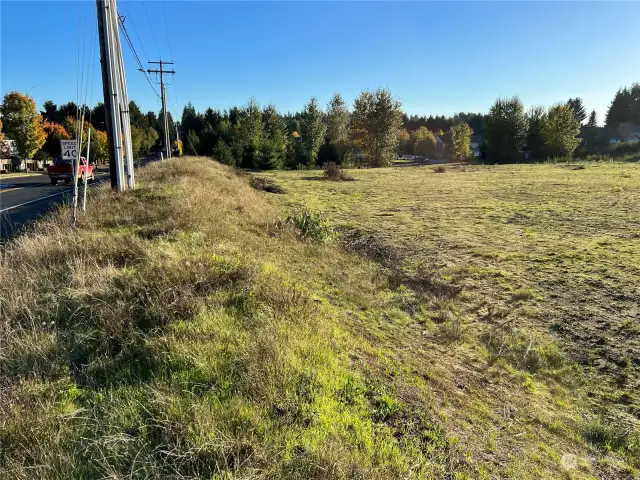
[{"x": 25, "y": 198}]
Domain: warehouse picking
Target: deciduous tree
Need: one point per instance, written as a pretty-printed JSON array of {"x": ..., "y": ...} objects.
[
  {"x": 460, "y": 142},
  {"x": 404, "y": 144},
  {"x": 505, "y": 129},
  {"x": 99, "y": 148},
  {"x": 376, "y": 120},
  {"x": 55, "y": 132},
  {"x": 23, "y": 123},
  {"x": 561, "y": 130},
  {"x": 312, "y": 130},
  {"x": 423, "y": 142}
]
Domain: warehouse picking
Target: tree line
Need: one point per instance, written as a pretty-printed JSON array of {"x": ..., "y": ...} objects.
[
  {"x": 370, "y": 133},
  {"x": 255, "y": 137},
  {"x": 37, "y": 134}
]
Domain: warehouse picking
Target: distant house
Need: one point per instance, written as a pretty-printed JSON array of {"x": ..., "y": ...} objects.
[
  {"x": 626, "y": 132},
  {"x": 8, "y": 155},
  {"x": 476, "y": 142}
]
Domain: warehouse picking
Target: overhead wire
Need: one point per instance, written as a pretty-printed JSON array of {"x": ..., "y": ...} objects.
[
  {"x": 78, "y": 61},
  {"x": 166, "y": 26},
  {"x": 151, "y": 28},
  {"x": 127, "y": 38},
  {"x": 135, "y": 29}
]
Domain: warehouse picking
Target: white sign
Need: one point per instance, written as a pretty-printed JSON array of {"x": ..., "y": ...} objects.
[{"x": 68, "y": 149}]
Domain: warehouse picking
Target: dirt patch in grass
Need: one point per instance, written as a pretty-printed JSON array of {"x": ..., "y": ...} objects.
[{"x": 266, "y": 185}]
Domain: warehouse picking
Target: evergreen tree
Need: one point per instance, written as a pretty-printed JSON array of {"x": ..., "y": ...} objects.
[
  {"x": 536, "y": 119},
  {"x": 593, "y": 119},
  {"x": 505, "y": 129},
  {"x": 328, "y": 153},
  {"x": 274, "y": 141},
  {"x": 625, "y": 106},
  {"x": 338, "y": 132},
  {"x": 579, "y": 111},
  {"x": 312, "y": 130},
  {"x": 191, "y": 121}
]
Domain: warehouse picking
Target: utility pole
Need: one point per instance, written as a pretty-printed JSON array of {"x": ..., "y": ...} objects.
[
  {"x": 161, "y": 72},
  {"x": 177, "y": 135},
  {"x": 115, "y": 96}
]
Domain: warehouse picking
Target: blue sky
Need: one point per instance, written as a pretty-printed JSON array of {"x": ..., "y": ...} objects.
[{"x": 438, "y": 58}]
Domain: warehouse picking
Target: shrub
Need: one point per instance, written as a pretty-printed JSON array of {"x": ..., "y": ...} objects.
[
  {"x": 333, "y": 172},
  {"x": 312, "y": 226}
]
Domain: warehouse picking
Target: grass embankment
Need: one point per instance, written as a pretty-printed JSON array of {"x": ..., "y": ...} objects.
[
  {"x": 184, "y": 330},
  {"x": 516, "y": 322}
]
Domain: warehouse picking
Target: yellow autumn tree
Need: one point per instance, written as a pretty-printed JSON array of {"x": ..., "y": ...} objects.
[{"x": 23, "y": 123}]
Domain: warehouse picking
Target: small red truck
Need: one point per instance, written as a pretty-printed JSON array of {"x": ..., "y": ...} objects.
[{"x": 62, "y": 169}]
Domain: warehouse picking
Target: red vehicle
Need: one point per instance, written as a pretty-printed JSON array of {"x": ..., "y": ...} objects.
[{"x": 62, "y": 169}]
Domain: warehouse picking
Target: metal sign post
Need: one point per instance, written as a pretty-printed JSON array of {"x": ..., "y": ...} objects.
[{"x": 86, "y": 176}]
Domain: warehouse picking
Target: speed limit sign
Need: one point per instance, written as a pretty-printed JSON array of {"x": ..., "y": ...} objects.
[{"x": 68, "y": 149}]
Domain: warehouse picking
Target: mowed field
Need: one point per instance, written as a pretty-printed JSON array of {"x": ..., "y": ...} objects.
[{"x": 517, "y": 304}]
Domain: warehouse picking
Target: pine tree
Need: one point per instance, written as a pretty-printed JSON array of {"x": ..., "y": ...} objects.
[
  {"x": 593, "y": 119},
  {"x": 536, "y": 119},
  {"x": 577, "y": 105},
  {"x": 312, "y": 130},
  {"x": 625, "y": 106},
  {"x": 504, "y": 129},
  {"x": 338, "y": 132}
]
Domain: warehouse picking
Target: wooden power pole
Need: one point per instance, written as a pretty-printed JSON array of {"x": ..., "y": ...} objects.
[
  {"x": 116, "y": 101},
  {"x": 162, "y": 72}
]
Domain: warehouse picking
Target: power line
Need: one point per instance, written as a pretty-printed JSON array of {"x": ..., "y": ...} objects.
[
  {"x": 151, "y": 28},
  {"x": 135, "y": 29},
  {"x": 166, "y": 26},
  {"x": 135, "y": 54}
]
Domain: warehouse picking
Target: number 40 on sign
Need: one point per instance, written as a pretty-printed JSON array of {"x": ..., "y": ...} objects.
[{"x": 68, "y": 148}]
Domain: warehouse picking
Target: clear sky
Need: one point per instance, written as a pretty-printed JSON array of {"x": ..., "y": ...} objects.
[{"x": 438, "y": 58}]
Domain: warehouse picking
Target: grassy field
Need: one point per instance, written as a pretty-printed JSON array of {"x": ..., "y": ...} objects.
[
  {"x": 465, "y": 325},
  {"x": 516, "y": 321}
]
